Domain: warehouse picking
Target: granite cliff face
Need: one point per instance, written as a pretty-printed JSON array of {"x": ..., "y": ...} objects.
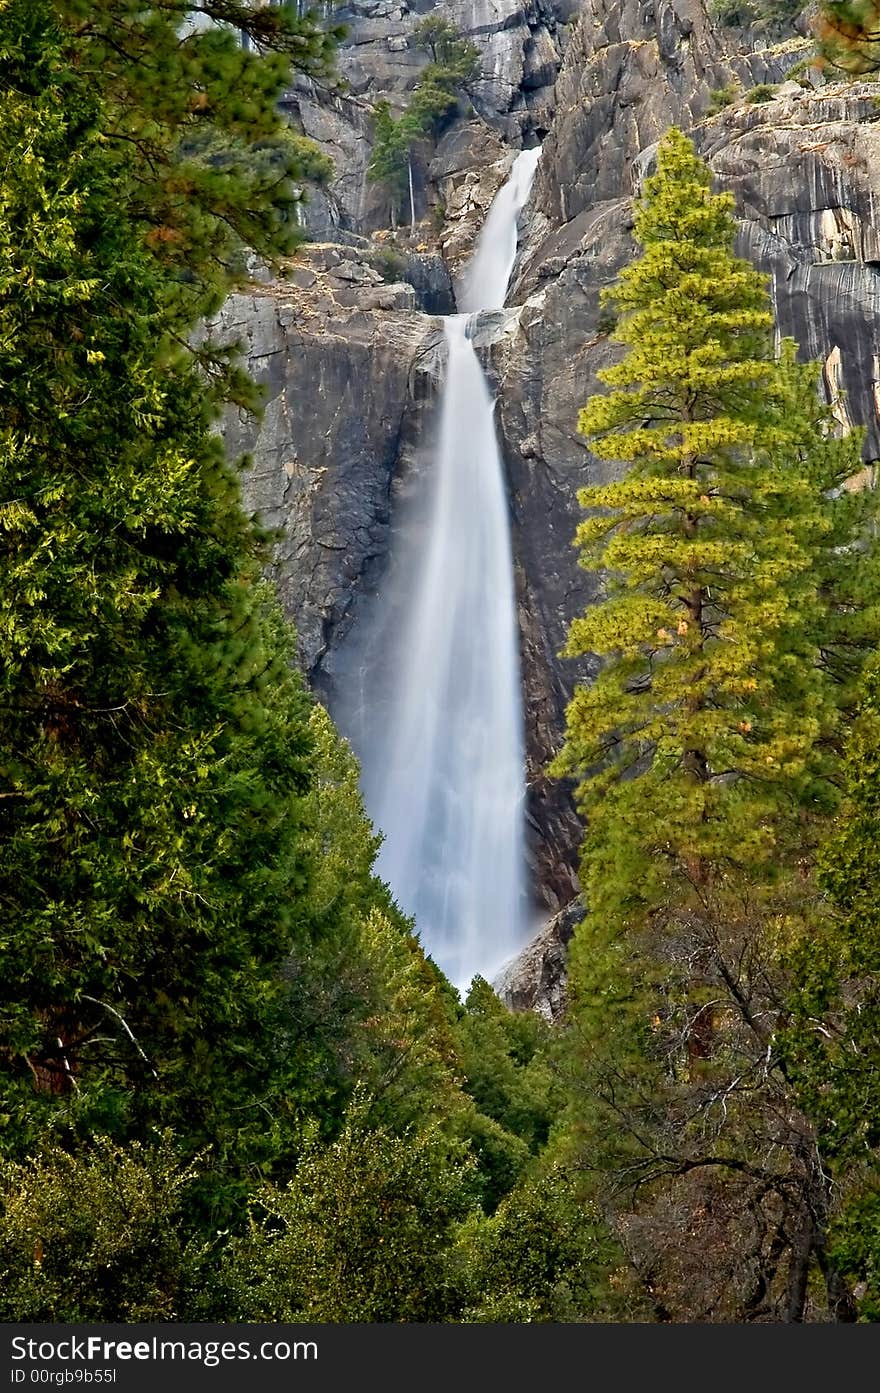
[
  {"x": 521, "y": 43},
  {"x": 348, "y": 347},
  {"x": 345, "y": 362}
]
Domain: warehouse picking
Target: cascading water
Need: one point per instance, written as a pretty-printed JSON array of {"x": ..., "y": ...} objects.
[
  {"x": 453, "y": 770},
  {"x": 488, "y": 275}
]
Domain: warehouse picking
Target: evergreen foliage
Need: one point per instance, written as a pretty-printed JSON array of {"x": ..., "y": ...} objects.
[
  {"x": 739, "y": 607},
  {"x": 101, "y": 1236},
  {"x": 709, "y": 721},
  {"x": 847, "y": 34},
  {"x": 832, "y": 1042},
  {"x": 202, "y": 159},
  {"x": 505, "y": 1066},
  {"x": 155, "y": 739}
]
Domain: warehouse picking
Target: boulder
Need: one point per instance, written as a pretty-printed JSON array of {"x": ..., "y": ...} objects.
[{"x": 535, "y": 979}]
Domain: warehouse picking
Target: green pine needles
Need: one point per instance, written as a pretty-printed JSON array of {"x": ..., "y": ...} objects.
[
  {"x": 710, "y": 722},
  {"x": 155, "y": 739},
  {"x": 740, "y": 607},
  {"x": 203, "y": 159}
]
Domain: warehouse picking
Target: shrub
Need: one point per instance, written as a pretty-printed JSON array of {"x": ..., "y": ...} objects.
[
  {"x": 764, "y": 92},
  {"x": 359, "y": 1234},
  {"x": 720, "y": 97},
  {"x": 96, "y": 1237}
]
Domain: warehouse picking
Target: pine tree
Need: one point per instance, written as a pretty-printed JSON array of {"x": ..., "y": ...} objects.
[
  {"x": 155, "y": 740},
  {"x": 711, "y": 715},
  {"x": 847, "y": 34},
  {"x": 708, "y": 754}
]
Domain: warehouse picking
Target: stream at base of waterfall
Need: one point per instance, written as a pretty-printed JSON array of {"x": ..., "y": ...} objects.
[{"x": 445, "y": 780}]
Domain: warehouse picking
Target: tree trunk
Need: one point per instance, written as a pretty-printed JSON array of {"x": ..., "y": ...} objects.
[{"x": 799, "y": 1271}]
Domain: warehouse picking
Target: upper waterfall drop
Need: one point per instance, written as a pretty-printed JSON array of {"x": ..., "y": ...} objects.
[
  {"x": 445, "y": 781},
  {"x": 488, "y": 275}
]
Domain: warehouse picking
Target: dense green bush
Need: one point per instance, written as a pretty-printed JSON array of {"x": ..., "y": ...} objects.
[
  {"x": 97, "y": 1237},
  {"x": 546, "y": 1255},
  {"x": 764, "y": 92},
  {"x": 361, "y": 1233}
]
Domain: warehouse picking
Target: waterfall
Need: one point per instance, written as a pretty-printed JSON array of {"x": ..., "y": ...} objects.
[
  {"x": 488, "y": 275},
  {"x": 450, "y": 800}
]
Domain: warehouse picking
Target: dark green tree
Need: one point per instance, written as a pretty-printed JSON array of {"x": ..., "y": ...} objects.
[
  {"x": 440, "y": 38},
  {"x": 832, "y": 1042},
  {"x": 203, "y": 160},
  {"x": 504, "y": 1059},
  {"x": 156, "y": 748}
]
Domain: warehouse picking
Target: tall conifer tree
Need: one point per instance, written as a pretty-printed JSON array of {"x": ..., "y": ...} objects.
[
  {"x": 707, "y": 752},
  {"x": 155, "y": 741},
  {"x": 724, "y": 605}
]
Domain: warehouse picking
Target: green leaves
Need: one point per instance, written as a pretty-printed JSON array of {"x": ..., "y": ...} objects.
[
  {"x": 359, "y": 1234},
  {"x": 156, "y": 750},
  {"x": 96, "y": 1237},
  {"x": 830, "y": 1040},
  {"x": 455, "y": 63}
]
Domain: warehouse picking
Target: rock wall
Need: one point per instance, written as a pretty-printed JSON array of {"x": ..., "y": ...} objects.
[
  {"x": 343, "y": 360},
  {"x": 521, "y": 43}
]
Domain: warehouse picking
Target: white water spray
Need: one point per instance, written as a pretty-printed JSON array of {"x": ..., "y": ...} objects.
[
  {"x": 488, "y": 275},
  {"x": 451, "y": 802}
]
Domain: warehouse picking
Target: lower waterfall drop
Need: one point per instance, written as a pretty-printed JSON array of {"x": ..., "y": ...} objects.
[
  {"x": 452, "y": 806},
  {"x": 451, "y": 800}
]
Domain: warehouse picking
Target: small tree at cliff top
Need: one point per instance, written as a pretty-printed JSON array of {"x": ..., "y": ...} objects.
[
  {"x": 455, "y": 63},
  {"x": 707, "y": 748}
]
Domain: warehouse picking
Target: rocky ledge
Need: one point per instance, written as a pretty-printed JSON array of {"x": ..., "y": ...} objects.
[{"x": 535, "y": 979}]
